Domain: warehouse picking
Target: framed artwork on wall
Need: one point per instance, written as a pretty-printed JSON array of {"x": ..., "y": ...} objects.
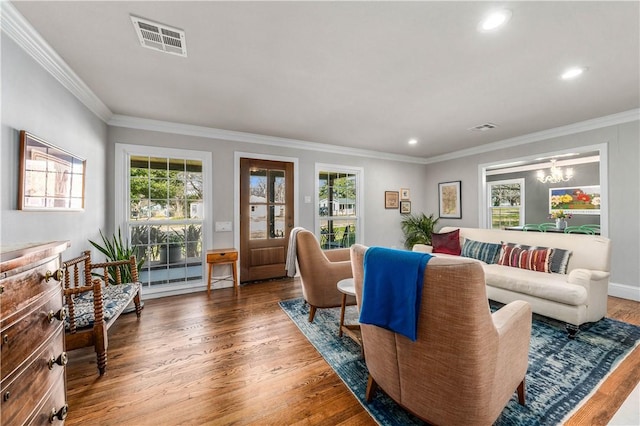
[
  {"x": 575, "y": 200},
  {"x": 449, "y": 199},
  {"x": 391, "y": 199},
  {"x": 405, "y": 207},
  {"x": 50, "y": 178},
  {"x": 405, "y": 194}
]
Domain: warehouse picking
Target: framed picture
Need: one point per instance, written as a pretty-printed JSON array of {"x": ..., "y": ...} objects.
[
  {"x": 50, "y": 178},
  {"x": 449, "y": 199},
  {"x": 405, "y": 194},
  {"x": 405, "y": 207},
  {"x": 391, "y": 199},
  {"x": 575, "y": 200}
]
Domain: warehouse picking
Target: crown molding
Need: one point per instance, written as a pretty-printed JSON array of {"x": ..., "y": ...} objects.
[
  {"x": 583, "y": 126},
  {"x": 15, "y": 26},
  {"x": 233, "y": 136}
]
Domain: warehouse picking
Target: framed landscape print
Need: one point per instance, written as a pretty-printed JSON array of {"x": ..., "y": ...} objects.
[
  {"x": 449, "y": 199},
  {"x": 405, "y": 207},
  {"x": 50, "y": 178},
  {"x": 391, "y": 199}
]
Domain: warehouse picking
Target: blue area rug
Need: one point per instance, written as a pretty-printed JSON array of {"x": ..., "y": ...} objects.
[{"x": 561, "y": 374}]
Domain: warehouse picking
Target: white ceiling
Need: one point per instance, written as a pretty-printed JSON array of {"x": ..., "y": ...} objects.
[{"x": 366, "y": 75}]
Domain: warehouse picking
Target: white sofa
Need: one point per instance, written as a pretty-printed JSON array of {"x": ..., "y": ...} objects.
[{"x": 577, "y": 297}]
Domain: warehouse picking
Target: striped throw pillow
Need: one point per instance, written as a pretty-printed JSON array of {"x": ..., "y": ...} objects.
[
  {"x": 558, "y": 259},
  {"x": 534, "y": 259},
  {"x": 486, "y": 252}
]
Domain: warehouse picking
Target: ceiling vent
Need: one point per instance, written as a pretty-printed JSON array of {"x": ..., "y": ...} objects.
[
  {"x": 160, "y": 37},
  {"x": 483, "y": 127}
]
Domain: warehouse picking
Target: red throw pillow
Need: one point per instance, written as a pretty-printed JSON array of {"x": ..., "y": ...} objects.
[{"x": 447, "y": 242}]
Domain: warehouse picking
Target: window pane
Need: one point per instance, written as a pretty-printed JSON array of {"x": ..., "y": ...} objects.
[
  {"x": 258, "y": 222},
  {"x": 277, "y": 189},
  {"x": 276, "y": 225},
  {"x": 258, "y": 186}
]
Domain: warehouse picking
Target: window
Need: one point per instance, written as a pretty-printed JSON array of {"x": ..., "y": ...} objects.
[
  {"x": 506, "y": 203},
  {"x": 339, "y": 216},
  {"x": 164, "y": 214}
]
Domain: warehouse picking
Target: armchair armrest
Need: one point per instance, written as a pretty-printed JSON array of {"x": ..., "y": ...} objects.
[
  {"x": 422, "y": 248},
  {"x": 338, "y": 255}
]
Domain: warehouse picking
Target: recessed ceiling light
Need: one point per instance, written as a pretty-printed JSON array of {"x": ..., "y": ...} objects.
[
  {"x": 413, "y": 141},
  {"x": 572, "y": 73},
  {"x": 494, "y": 20}
]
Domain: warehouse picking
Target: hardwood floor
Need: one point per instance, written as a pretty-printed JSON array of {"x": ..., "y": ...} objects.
[{"x": 238, "y": 359}]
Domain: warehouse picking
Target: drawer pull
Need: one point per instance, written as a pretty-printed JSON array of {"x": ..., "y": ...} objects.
[
  {"x": 1, "y": 289},
  {"x": 61, "y": 360},
  {"x": 60, "y": 414},
  {"x": 60, "y": 315},
  {"x": 6, "y": 396},
  {"x": 5, "y": 339},
  {"x": 57, "y": 275}
]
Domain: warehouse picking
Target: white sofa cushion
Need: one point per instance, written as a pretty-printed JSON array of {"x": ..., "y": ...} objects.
[{"x": 543, "y": 285}]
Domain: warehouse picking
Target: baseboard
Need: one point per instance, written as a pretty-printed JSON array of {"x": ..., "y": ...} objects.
[{"x": 624, "y": 291}]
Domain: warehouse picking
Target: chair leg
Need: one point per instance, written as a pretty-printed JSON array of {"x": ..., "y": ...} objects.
[
  {"x": 372, "y": 387},
  {"x": 521, "y": 392},
  {"x": 312, "y": 312},
  {"x": 136, "y": 302}
]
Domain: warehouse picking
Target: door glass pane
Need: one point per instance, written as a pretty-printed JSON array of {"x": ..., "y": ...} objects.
[
  {"x": 277, "y": 223},
  {"x": 277, "y": 186},
  {"x": 258, "y": 222},
  {"x": 258, "y": 186}
]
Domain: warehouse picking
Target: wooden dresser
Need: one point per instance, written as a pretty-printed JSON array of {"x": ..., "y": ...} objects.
[{"x": 32, "y": 356}]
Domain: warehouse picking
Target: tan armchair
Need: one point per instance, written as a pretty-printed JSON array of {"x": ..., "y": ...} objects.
[
  {"x": 320, "y": 271},
  {"x": 466, "y": 363}
]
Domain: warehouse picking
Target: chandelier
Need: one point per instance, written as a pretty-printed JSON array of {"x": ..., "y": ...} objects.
[{"x": 556, "y": 174}]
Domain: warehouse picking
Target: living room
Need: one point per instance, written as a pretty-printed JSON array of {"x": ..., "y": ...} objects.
[{"x": 45, "y": 93}]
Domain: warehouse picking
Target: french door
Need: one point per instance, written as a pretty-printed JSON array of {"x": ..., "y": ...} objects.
[{"x": 266, "y": 217}]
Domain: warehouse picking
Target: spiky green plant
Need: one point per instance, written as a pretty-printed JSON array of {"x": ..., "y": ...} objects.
[
  {"x": 417, "y": 229},
  {"x": 116, "y": 248}
]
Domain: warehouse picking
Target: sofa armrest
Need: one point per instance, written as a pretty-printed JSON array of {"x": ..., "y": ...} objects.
[
  {"x": 422, "y": 248},
  {"x": 338, "y": 255},
  {"x": 583, "y": 277}
]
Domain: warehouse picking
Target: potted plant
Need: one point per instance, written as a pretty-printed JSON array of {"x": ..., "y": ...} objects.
[
  {"x": 560, "y": 217},
  {"x": 418, "y": 229},
  {"x": 171, "y": 247},
  {"x": 116, "y": 248}
]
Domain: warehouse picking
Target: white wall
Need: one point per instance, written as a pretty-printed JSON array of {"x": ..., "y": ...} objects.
[
  {"x": 34, "y": 101},
  {"x": 624, "y": 200}
]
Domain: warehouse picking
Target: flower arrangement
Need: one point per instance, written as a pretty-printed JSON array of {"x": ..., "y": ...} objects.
[{"x": 560, "y": 214}]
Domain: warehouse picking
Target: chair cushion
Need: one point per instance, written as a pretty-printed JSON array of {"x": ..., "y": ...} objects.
[
  {"x": 486, "y": 252},
  {"x": 448, "y": 242},
  {"x": 115, "y": 298}
]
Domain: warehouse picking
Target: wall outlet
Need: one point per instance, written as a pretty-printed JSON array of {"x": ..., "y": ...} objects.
[{"x": 223, "y": 226}]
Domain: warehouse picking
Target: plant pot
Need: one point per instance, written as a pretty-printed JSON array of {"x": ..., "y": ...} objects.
[
  {"x": 171, "y": 253},
  {"x": 561, "y": 224}
]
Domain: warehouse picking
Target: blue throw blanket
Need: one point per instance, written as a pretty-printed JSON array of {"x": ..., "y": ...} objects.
[{"x": 392, "y": 289}]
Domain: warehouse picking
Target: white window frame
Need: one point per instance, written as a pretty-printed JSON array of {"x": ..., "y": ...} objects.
[
  {"x": 519, "y": 181},
  {"x": 359, "y": 217},
  {"x": 123, "y": 153}
]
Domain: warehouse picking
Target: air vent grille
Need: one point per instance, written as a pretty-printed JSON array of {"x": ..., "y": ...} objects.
[
  {"x": 160, "y": 37},
  {"x": 483, "y": 127}
]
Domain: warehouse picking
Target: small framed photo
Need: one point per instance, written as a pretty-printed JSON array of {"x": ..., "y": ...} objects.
[
  {"x": 449, "y": 199},
  {"x": 391, "y": 199},
  {"x": 405, "y": 194},
  {"x": 405, "y": 207}
]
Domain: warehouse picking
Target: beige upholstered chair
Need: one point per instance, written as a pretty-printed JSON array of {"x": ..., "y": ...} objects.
[
  {"x": 466, "y": 362},
  {"x": 320, "y": 271}
]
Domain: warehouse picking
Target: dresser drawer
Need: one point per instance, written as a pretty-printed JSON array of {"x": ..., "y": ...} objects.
[
  {"x": 221, "y": 256},
  {"x": 24, "y": 391},
  {"x": 32, "y": 327},
  {"x": 55, "y": 402},
  {"x": 24, "y": 288}
]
